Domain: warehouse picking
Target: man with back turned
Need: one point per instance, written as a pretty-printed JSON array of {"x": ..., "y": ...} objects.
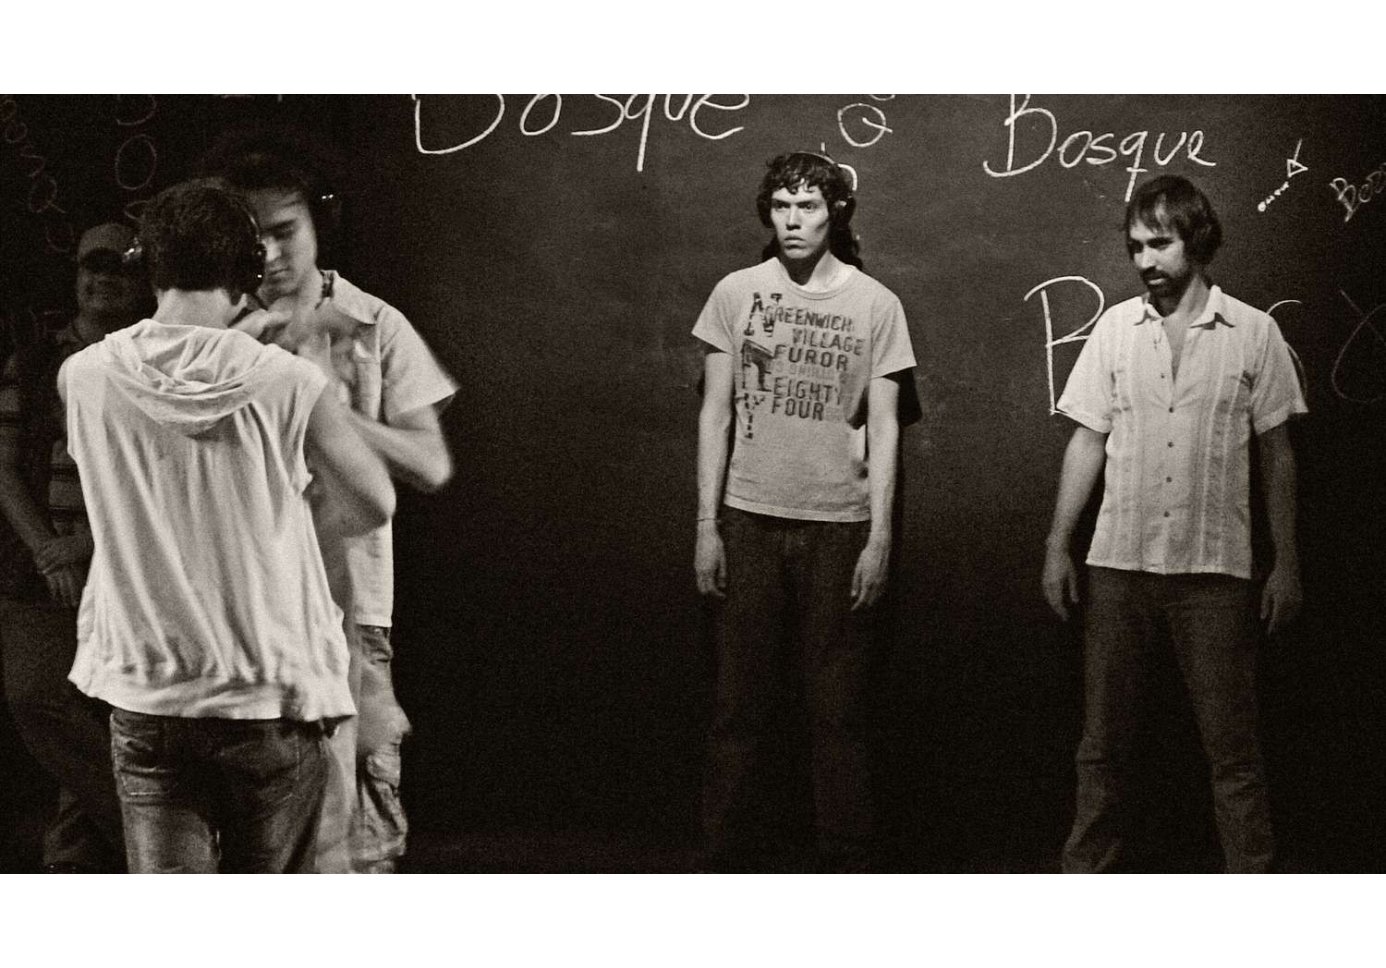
[
  {"x": 1167, "y": 394},
  {"x": 206, "y": 621}
]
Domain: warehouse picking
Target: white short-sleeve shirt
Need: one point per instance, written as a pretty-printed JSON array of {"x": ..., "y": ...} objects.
[{"x": 1176, "y": 497}]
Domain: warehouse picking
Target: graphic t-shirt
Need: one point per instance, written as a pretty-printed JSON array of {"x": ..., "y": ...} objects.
[{"x": 803, "y": 363}]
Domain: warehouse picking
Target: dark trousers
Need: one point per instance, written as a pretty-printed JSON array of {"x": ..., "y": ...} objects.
[
  {"x": 790, "y": 576},
  {"x": 202, "y": 795},
  {"x": 1210, "y": 622},
  {"x": 65, "y": 731}
]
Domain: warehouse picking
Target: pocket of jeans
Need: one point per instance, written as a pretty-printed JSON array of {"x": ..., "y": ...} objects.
[
  {"x": 382, "y": 811},
  {"x": 276, "y": 766}
]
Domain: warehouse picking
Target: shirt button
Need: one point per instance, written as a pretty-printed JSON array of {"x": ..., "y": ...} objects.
[
  {"x": 1171, "y": 410},
  {"x": 1169, "y": 480},
  {"x": 1166, "y": 514},
  {"x": 1171, "y": 443}
]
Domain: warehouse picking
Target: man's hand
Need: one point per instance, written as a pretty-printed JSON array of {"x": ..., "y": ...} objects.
[
  {"x": 1281, "y": 598},
  {"x": 65, "y": 584},
  {"x": 710, "y": 561},
  {"x": 869, "y": 578},
  {"x": 59, "y": 551},
  {"x": 1060, "y": 580}
]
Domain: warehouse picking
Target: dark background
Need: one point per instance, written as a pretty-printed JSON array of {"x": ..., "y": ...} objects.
[{"x": 551, "y": 649}]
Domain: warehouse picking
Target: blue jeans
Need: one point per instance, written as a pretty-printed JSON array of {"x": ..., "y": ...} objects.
[
  {"x": 364, "y": 828},
  {"x": 1210, "y": 623},
  {"x": 65, "y": 731},
  {"x": 378, "y": 824},
  {"x": 202, "y": 795},
  {"x": 790, "y": 581}
]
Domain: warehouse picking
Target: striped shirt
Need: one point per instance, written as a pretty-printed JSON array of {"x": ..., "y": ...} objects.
[
  {"x": 1176, "y": 496},
  {"x": 63, "y": 500}
]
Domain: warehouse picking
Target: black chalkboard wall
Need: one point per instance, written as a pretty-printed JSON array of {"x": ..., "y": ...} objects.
[{"x": 555, "y": 252}]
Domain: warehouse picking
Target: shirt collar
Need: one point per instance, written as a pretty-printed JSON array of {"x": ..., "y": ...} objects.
[
  {"x": 1211, "y": 317},
  {"x": 348, "y": 298}
]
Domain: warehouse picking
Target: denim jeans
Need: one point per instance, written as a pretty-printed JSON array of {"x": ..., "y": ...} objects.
[
  {"x": 790, "y": 581},
  {"x": 1210, "y": 623},
  {"x": 364, "y": 827},
  {"x": 202, "y": 795},
  {"x": 66, "y": 732}
]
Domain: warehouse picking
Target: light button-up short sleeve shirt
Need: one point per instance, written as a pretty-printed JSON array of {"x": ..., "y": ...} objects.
[{"x": 1176, "y": 495}]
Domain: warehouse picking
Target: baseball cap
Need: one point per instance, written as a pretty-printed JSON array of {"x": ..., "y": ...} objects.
[{"x": 109, "y": 236}]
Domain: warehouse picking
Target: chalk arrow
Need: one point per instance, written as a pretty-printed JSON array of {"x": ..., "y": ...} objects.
[{"x": 1292, "y": 165}]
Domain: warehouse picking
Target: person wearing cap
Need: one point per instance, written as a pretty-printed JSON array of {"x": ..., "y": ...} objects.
[
  {"x": 806, "y": 362},
  {"x": 41, "y": 499}
]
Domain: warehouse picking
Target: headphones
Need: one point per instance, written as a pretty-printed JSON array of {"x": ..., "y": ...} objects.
[{"x": 247, "y": 273}]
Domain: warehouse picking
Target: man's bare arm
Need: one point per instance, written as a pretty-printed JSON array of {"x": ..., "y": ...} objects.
[
  {"x": 714, "y": 423},
  {"x": 1083, "y": 461},
  {"x": 1282, "y": 597},
  {"x": 883, "y": 455}
]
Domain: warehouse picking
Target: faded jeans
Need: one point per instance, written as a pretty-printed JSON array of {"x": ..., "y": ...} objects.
[
  {"x": 364, "y": 827},
  {"x": 235, "y": 795},
  {"x": 1210, "y": 623}
]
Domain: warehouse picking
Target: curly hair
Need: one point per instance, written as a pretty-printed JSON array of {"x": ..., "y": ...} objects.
[
  {"x": 201, "y": 235},
  {"x": 1174, "y": 201},
  {"x": 808, "y": 169}
]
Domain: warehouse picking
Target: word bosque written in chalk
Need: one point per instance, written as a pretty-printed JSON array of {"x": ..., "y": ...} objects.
[
  {"x": 1352, "y": 197},
  {"x": 543, "y": 112},
  {"x": 1032, "y": 135}
]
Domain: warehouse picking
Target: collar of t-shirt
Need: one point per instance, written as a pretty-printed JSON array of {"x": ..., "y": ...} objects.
[{"x": 848, "y": 278}]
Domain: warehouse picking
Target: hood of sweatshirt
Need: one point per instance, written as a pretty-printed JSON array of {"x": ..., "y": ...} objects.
[{"x": 187, "y": 378}]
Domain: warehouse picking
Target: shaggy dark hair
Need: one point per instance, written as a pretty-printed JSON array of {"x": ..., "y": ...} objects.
[
  {"x": 807, "y": 169},
  {"x": 201, "y": 235},
  {"x": 1173, "y": 201}
]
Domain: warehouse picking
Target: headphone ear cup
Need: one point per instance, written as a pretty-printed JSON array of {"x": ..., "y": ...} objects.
[
  {"x": 327, "y": 213},
  {"x": 842, "y": 211},
  {"x": 255, "y": 268}
]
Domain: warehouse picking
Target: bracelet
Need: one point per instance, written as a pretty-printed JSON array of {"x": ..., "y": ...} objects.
[{"x": 706, "y": 517}]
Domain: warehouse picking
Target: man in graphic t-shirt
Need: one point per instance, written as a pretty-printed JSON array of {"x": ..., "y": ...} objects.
[{"x": 806, "y": 355}]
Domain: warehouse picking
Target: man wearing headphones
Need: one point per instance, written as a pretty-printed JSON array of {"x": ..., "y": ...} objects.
[
  {"x": 806, "y": 355},
  {"x": 1167, "y": 393},
  {"x": 207, "y": 622},
  {"x": 396, "y": 390}
]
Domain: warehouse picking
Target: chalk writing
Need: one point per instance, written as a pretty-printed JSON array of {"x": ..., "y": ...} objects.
[
  {"x": 1074, "y": 335},
  {"x": 1353, "y": 197},
  {"x": 139, "y": 109},
  {"x": 634, "y": 108},
  {"x": 1083, "y": 331},
  {"x": 866, "y": 120},
  {"x": 137, "y": 157},
  {"x": 1357, "y": 345},
  {"x": 1292, "y": 168},
  {"x": 1082, "y": 146},
  {"x": 58, "y": 234}
]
